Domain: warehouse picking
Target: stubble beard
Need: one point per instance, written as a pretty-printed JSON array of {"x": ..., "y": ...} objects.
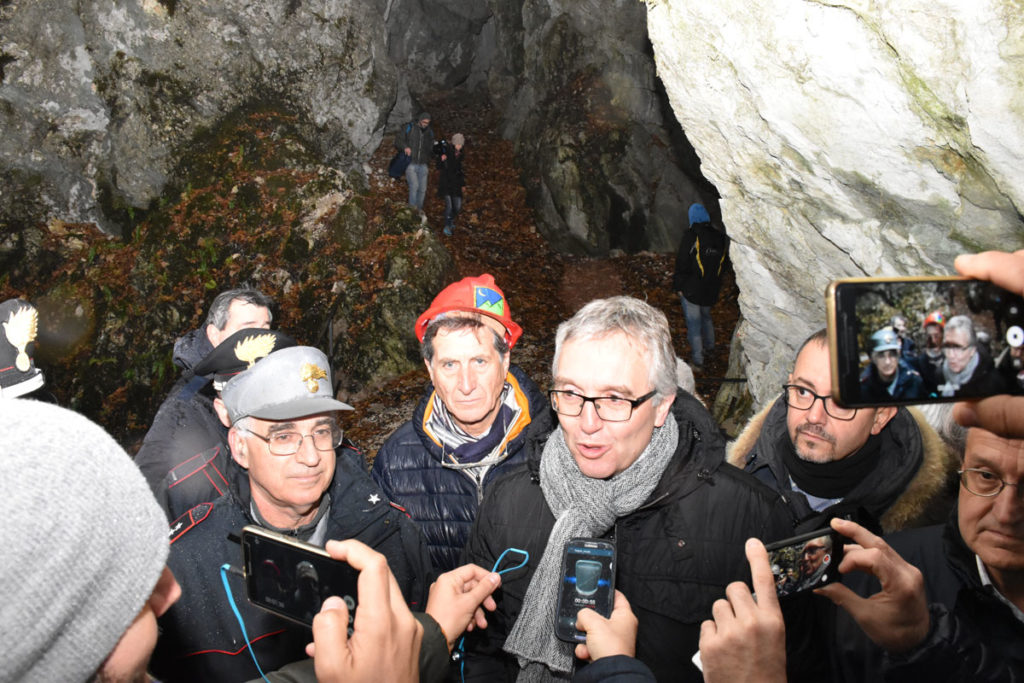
[{"x": 816, "y": 455}]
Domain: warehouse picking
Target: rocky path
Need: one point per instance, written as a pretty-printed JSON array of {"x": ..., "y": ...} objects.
[{"x": 496, "y": 233}]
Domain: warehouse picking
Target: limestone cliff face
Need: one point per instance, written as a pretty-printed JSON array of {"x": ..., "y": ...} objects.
[
  {"x": 604, "y": 162},
  {"x": 99, "y": 100},
  {"x": 846, "y": 138}
]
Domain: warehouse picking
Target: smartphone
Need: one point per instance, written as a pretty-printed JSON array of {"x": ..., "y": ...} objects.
[
  {"x": 588, "y": 580},
  {"x": 806, "y": 561},
  {"x": 292, "y": 579},
  {"x": 916, "y": 340}
]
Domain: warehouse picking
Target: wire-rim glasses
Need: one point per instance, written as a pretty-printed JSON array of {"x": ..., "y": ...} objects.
[
  {"x": 609, "y": 408},
  {"x": 802, "y": 398},
  {"x": 324, "y": 438},
  {"x": 983, "y": 483}
]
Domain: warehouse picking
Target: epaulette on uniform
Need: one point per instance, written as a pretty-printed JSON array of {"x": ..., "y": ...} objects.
[{"x": 189, "y": 520}]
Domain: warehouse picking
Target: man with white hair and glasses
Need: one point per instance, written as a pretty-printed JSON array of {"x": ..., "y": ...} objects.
[
  {"x": 625, "y": 457},
  {"x": 284, "y": 432}
]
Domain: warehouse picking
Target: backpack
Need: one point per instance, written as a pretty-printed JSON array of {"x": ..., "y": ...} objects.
[
  {"x": 708, "y": 254},
  {"x": 400, "y": 162}
]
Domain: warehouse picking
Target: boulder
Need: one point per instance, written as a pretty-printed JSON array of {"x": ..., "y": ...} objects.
[
  {"x": 99, "y": 101},
  {"x": 846, "y": 139}
]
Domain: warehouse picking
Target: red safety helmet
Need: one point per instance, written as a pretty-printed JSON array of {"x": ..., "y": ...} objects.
[
  {"x": 477, "y": 295},
  {"x": 935, "y": 318}
]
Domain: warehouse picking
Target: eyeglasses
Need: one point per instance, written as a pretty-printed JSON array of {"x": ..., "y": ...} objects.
[
  {"x": 983, "y": 483},
  {"x": 325, "y": 438},
  {"x": 803, "y": 398},
  {"x": 955, "y": 350},
  {"x": 609, "y": 408}
]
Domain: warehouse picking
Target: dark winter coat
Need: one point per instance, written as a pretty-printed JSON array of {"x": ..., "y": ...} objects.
[
  {"x": 909, "y": 383},
  {"x": 185, "y": 456},
  {"x": 676, "y": 553},
  {"x": 985, "y": 381},
  {"x": 452, "y": 178},
  {"x": 914, "y": 483},
  {"x": 973, "y": 637},
  {"x": 699, "y": 262},
  {"x": 419, "y": 140},
  {"x": 201, "y": 639},
  {"x": 444, "y": 501}
]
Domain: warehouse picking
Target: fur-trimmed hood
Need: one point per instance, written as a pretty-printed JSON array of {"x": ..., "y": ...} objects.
[{"x": 926, "y": 498}]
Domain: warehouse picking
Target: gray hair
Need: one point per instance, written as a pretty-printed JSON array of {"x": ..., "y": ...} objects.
[
  {"x": 962, "y": 322},
  {"x": 457, "y": 322},
  {"x": 633, "y": 317},
  {"x": 218, "y": 313}
]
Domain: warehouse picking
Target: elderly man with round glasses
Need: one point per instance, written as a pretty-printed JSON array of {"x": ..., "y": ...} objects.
[
  {"x": 631, "y": 460},
  {"x": 952, "y": 606},
  {"x": 884, "y": 466},
  {"x": 284, "y": 434}
]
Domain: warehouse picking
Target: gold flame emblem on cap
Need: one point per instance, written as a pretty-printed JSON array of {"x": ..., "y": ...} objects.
[
  {"x": 310, "y": 374},
  {"x": 21, "y": 328},
  {"x": 251, "y": 349}
]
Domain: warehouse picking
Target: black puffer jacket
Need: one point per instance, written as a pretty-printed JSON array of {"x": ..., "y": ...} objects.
[
  {"x": 452, "y": 178},
  {"x": 201, "y": 639},
  {"x": 409, "y": 469},
  {"x": 973, "y": 637},
  {"x": 676, "y": 553}
]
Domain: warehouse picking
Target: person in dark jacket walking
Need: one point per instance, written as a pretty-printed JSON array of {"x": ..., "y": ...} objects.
[
  {"x": 452, "y": 180},
  {"x": 632, "y": 460},
  {"x": 470, "y": 426},
  {"x": 416, "y": 139},
  {"x": 284, "y": 434},
  {"x": 698, "y": 278}
]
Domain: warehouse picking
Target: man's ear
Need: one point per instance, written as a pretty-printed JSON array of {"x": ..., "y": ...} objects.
[
  {"x": 214, "y": 335},
  {"x": 222, "y": 411},
  {"x": 239, "y": 449},
  {"x": 662, "y": 409},
  {"x": 882, "y": 417}
]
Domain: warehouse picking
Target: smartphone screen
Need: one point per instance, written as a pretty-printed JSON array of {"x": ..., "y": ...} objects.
[
  {"x": 291, "y": 578},
  {"x": 805, "y": 562},
  {"x": 923, "y": 340},
  {"x": 588, "y": 580}
]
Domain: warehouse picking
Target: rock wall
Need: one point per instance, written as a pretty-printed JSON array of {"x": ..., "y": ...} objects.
[
  {"x": 603, "y": 165},
  {"x": 99, "y": 100},
  {"x": 846, "y": 139}
]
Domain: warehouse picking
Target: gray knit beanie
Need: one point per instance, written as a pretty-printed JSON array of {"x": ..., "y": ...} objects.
[{"x": 83, "y": 543}]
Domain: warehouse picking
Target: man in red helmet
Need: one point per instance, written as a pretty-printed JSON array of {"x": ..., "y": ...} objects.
[
  {"x": 470, "y": 425},
  {"x": 929, "y": 361}
]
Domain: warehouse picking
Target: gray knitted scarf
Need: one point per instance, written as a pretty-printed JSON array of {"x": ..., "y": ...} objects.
[{"x": 583, "y": 507}]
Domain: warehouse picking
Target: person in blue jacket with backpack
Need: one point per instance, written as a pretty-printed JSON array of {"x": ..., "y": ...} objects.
[{"x": 698, "y": 279}]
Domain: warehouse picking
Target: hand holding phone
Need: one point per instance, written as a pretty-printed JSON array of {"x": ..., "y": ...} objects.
[{"x": 587, "y": 580}]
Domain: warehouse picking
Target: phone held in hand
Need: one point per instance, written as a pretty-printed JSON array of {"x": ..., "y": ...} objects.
[
  {"x": 292, "y": 579},
  {"x": 911, "y": 340},
  {"x": 587, "y": 580},
  {"x": 805, "y": 562}
]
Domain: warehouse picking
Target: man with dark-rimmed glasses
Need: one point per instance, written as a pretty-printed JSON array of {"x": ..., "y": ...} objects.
[
  {"x": 625, "y": 457},
  {"x": 884, "y": 466},
  {"x": 284, "y": 434}
]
